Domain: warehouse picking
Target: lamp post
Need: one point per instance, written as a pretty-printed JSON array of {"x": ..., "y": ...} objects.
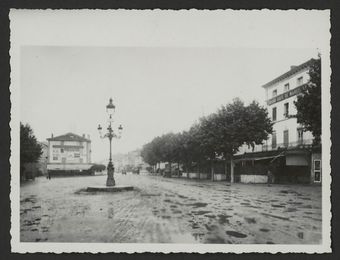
[{"x": 110, "y": 109}]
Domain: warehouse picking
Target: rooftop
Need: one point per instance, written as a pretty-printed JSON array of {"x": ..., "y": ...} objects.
[
  {"x": 292, "y": 71},
  {"x": 69, "y": 137}
]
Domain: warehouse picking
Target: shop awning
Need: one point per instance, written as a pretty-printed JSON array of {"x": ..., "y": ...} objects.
[{"x": 258, "y": 158}]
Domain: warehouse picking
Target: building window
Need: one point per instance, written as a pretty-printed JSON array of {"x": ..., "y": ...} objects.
[
  {"x": 286, "y": 110},
  {"x": 285, "y": 138},
  {"x": 317, "y": 170},
  {"x": 61, "y": 150},
  {"x": 274, "y": 140},
  {"x": 76, "y": 155},
  {"x": 300, "y": 135},
  {"x": 274, "y": 114},
  {"x": 55, "y": 158},
  {"x": 299, "y": 81},
  {"x": 286, "y": 87},
  {"x": 274, "y": 93}
]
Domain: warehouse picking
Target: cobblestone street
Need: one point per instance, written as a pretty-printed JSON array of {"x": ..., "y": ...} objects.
[{"x": 164, "y": 210}]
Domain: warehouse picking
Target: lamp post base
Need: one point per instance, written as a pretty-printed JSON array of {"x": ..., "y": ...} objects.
[
  {"x": 110, "y": 180},
  {"x": 109, "y": 189}
]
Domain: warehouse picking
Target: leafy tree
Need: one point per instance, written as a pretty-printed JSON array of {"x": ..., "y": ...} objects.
[
  {"x": 193, "y": 145},
  {"x": 169, "y": 148},
  {"x": 209, "y": 139},
  {"x": 30, "y": 149},
  {"x": 148, "y": 154},
  {"x": 238, "y": 124},
  {"x": 308, "y": 104},
  {"x": 220, "y": 133}
]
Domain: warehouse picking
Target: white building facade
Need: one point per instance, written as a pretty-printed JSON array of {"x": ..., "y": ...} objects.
[
  {"x": 69, "y": 153},
  {"x": 299, "y": 159}
]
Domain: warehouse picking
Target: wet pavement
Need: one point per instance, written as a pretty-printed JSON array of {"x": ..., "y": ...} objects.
[{"x": 164, "y": 210}]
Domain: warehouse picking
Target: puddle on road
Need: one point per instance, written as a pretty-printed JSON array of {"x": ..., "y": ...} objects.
[
  {"x": 198, "y": 204},
  {"x": 308, "y": 213},
  {"x": 261, "y": 201},
  {"x": 215, "y": 240},
  {"x": 200, "y": 212},
  {"x": 264, "y": 230},
  {"x": 305, "y": 198},
  {"x": 235, "y": 234},
  {"x": 295, "y": 202},
  {"x": 250, "y": 220},
  {"x": 194, "y": 225},
  {"x": 290, "y": 192},
  {"x": 223, "y": 219},
  {"x": 31, "y": 199},
  {"x": 277, "y": 206},
  {"x": 291, "y": 210},
  {"x": 274, "y": 216},
  {"x": 151, "y": 195},
  {"x": 306, "y": 207}
]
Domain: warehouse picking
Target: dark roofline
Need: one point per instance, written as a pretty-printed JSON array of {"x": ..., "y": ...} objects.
[
  {"x": 292, "y": 71},
  {"x": 57, "y": 138}
]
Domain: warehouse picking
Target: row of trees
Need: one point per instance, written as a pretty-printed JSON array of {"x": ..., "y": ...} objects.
[
  {"x": 218, "y": 135},
  {"x": 222, "y": 133}
]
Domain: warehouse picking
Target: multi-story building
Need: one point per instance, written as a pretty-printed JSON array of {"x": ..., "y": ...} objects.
[
  {"x": 69, "y": 153},
  {"x": 289, "y": 149}
]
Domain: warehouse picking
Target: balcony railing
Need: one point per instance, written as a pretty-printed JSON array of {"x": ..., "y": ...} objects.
[{"x": 306, "y": 143}]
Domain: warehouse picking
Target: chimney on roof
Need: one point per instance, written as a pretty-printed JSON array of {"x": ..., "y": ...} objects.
[
  {"x": 83, "y": 135},
  {"x": 52, "y": 135},
  {"x": 88, "y": 137},
  {"x": 292, "y": 67}
]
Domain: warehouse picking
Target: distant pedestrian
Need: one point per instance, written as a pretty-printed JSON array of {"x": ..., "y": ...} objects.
[
  {"x": 269, "y": 177},
  {"x": 48, "y": 175}
]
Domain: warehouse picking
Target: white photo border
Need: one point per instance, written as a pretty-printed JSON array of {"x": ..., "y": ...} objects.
[{"x": 135, "y": 28}]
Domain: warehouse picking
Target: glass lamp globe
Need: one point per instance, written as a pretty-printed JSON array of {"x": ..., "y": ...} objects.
[
  {"x": 120, "y": 129},
  {"x": 110, "y": 108},
  {"x": 100, "y": 129}
]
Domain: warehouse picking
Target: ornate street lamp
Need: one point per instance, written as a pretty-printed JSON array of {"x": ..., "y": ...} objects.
[{"x": 110, "y": 109}]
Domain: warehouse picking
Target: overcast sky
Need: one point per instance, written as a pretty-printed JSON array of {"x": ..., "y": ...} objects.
[
  {"x": 163, "y": 69},
  {"x": 155, "y": 90}
]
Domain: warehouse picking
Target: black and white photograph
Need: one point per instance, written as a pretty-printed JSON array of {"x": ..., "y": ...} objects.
[{"x": 170, "y": 131}]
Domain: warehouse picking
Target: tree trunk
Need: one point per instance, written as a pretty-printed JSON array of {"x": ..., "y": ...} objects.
[
  {"x": 199, "y": 174},
  {"x": 212, "y": 170},
  {"x": 178, "y": 169},
  {"x": 231, "y": 170},
  {"x": 170, "y": 169},
  {"x": 226, "y": 168}
]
